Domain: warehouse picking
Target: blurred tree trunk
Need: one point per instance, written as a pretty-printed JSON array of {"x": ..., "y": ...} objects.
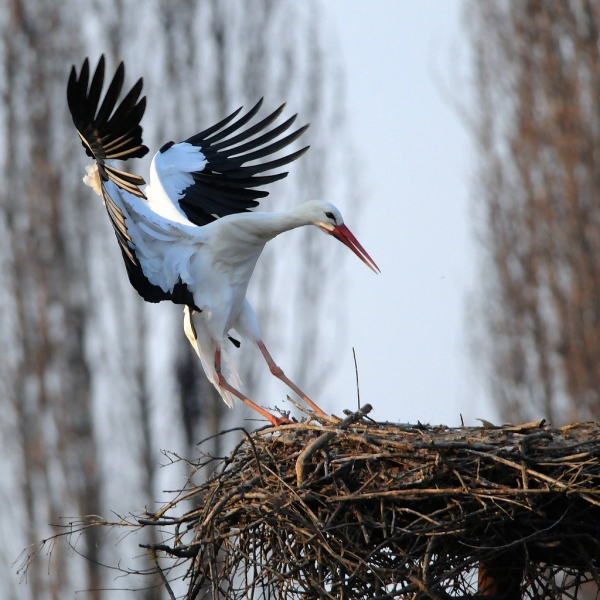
[
  {"x": 93, "y": 381},
  {"x": 46, "y": 377},
  {"x": 537, "y": 74}
]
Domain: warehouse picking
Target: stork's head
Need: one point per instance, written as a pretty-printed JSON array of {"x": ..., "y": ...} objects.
[{"x": 329, "y": 219}]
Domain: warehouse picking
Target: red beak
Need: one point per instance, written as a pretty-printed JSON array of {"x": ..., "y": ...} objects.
[{"x": 342, "y": 233}]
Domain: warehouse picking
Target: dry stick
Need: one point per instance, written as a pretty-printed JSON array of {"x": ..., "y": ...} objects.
[
  {"x": 590, "y": 500},
  {"x": 356, "y": 371},
  {"x": 456, "y": 491},
  {"x": 315, "y": 521},
  {"x": 309, "y": 451},
  {"x": 307, "y": 454},
  {"x": 299, "y": 406},
  {"x": 160, "y": 572},
  {"x": 249, "y": 438},
  {"x": 354, "y": 417},
  {"x": 185, "y": 496},
  {"x": 536, "y": 474},
  {"x": 533, "y": 437}
]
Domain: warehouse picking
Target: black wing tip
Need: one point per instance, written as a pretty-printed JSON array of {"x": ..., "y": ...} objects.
[
  {"x": 101, "y": 125},
  {"x": 300, "y": 131},
  {"x": 85, "y": 66},
  {"x": 299, "y": 153},
  {"x": 198, "y": 138},
  {"x": 249, "y": 171}
]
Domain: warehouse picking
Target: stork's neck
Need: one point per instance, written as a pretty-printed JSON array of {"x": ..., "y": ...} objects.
[{"x": 268, "y": 225}]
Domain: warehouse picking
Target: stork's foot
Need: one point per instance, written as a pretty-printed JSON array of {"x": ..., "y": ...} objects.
[{"x": 281, "y": 421}]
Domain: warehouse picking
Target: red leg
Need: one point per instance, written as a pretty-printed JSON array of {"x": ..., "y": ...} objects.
[
  {"x": 276, "y": 421},
  {"x": 278, "y": 372}
]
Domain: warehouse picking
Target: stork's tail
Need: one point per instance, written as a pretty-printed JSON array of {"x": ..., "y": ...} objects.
[
  {"x": 92, "y": 179},
  {"x": 205, "y": 349}
]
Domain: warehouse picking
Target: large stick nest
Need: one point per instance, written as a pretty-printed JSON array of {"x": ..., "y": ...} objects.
[
  {"x": 361, "y": 509},
  {"x": 358, "y": 509}
]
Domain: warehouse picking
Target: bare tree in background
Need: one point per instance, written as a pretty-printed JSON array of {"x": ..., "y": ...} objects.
[
  {"x": 45, "y": 380},
  {"x": 537, "y": 73},
  {"x": 94, "y": 382}
]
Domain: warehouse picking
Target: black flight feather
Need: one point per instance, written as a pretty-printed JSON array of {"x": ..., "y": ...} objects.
[
  {"x": 225, "y": 185},
  {"x": 110, "y": 132},
  {"x": 240, "y": 137}
]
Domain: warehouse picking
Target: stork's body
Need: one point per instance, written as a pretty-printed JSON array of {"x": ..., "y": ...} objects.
[{"x": 189, "y": 237}]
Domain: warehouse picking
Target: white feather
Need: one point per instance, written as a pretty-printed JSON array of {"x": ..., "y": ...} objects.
[
  {"x": 92, "y": 179},
  {"x": 170, "y": 176},
  {"x": 205, "y": 348}
]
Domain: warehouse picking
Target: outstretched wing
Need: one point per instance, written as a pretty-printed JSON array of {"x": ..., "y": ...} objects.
[
  {"x": 109, "y": 132},
  {"x": 114, "y": 132},
  {"x": 221, "y": 183},
  {"x": 150, "y": 292}
]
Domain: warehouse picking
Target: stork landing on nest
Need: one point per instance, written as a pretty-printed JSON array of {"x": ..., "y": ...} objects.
[{"x": 190, "y": 237}]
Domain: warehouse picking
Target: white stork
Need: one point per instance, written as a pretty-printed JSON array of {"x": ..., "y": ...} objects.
[{"x": 189, "y": 237}]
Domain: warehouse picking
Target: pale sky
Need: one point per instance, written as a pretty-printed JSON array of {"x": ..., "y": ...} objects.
[{"x": 409, "y": 325}]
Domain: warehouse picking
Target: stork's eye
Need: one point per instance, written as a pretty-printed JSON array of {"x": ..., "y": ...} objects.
[{"x": 330, "y": 216}]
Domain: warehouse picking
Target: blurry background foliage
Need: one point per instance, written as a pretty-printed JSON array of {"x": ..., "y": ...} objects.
[{"x": 537, "y": 121}]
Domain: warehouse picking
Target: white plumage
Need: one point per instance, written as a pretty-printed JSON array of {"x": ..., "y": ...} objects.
[
  {"x": 170, "y": 175},
  {"x": 189, "y": 237}
]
